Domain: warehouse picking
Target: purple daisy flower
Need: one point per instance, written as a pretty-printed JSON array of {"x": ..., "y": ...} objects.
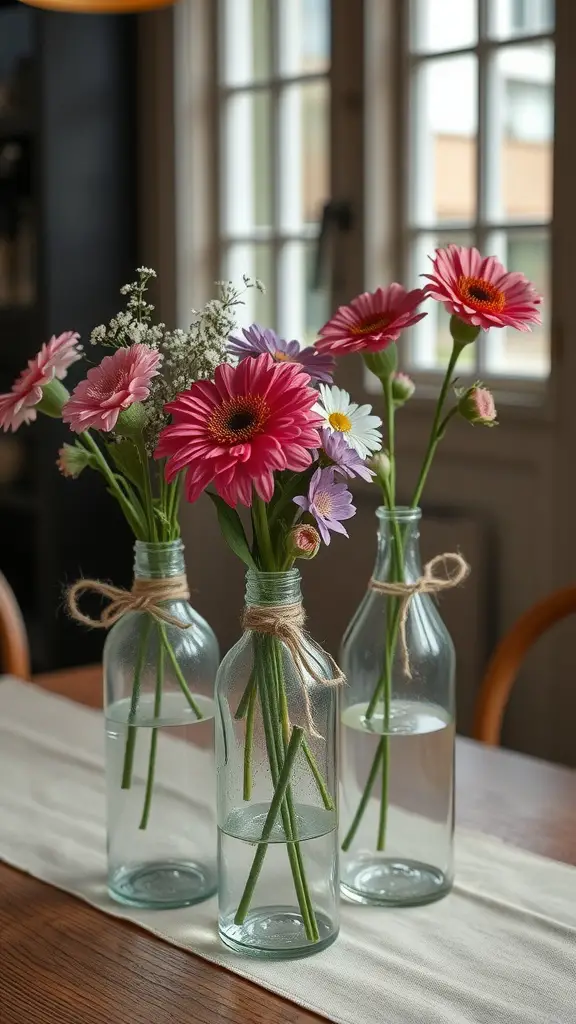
[
  {"x": 344, "y": 458},
  {"x": 328, "y": 502},
  {"x": 258, "y": 339}
]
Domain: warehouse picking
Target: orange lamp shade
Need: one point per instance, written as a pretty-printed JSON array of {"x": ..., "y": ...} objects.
[{"x": 100, "y": 6}]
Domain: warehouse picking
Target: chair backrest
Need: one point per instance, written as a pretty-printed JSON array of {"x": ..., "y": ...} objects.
[
  {"x": 14, "y": 651},
  {"x": 507, "y": 659}
]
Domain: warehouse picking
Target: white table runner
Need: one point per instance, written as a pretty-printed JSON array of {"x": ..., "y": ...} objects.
[{"x": 501, "y": 949}]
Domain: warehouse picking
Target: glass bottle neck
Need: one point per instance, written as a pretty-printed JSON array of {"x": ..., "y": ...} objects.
[
  {"x": 398, "y": 544},
  {"x": 272, "y": 588},
  {"x": 159, "y": 561}
]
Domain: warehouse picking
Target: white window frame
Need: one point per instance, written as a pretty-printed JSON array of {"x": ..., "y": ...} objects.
[
  {"x": 287, "y": 289},
  {"x": 388, "y": 205}
]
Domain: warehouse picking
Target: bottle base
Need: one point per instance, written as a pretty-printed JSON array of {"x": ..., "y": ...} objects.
[
  {"x": 276, "y": 933},
  {"x": 393, "y": 882},
  {"x": 163, "y": 885}
]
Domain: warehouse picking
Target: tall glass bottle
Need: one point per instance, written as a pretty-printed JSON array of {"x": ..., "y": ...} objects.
[
  {"x": 397, "y": 729},
  {"x": 160, "y": 781},
  {"x": 277, "y": 803}
]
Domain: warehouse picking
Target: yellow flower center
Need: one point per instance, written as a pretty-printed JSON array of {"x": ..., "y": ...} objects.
[
  {"x": 339, "y": 421},
  {"x": 480, "y": 294},
  {"x": 282, "y": 357}
]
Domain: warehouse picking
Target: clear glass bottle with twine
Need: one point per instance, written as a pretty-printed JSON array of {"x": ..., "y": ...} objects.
[
  {"x": 277, "y": 694},
  {"x": 398, "y": 726},
  {"x": 160, "y": 663}
]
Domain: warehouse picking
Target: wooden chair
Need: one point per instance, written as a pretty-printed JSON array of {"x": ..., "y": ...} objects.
[
  {"x": 507, "y": 659},
  {"x": 14, "y": 651}
]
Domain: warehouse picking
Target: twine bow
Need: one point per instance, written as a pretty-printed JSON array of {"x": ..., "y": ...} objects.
[
  {"x": 145, "y": 596},
  {"x": 285, "y": 622},
  {"x": 427, "y": 583}
]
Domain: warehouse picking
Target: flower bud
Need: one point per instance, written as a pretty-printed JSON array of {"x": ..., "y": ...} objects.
[
  {"x": 131, "y": 421},
  {"x": 303, "y": 542},
  {"x": 54, "y": 398},
  {"x": 462, "y": 334},
  {"x": 382, "y": 363},
  {"x": 72, "y": 459},
  {"x": 477, "y": 406},
  {"x": 403, "y": 387},
  {"x": 380, "y": 464}
]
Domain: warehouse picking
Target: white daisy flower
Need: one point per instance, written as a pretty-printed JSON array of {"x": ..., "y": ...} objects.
[{"x": 354, "y": 421}]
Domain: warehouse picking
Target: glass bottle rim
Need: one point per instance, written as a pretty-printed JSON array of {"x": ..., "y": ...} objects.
[
  {"x": 158, "y": 546},
  {"x": 286, "y": 575},
  {"x": 401, "y": 513}
]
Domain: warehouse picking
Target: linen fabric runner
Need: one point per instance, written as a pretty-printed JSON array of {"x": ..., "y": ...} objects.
[{"x": 501, "y": 949}]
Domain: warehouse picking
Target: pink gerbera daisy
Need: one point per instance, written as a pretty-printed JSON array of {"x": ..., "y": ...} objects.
[
  {"x": 253, "y": 419},
  {"x": 114, "y": 385},
  {"x": 480, "y": 291},
  {"x": 17, "y": 406},
  {"x": 372, "y": 321},
  {"x": 59, "y": 353}
]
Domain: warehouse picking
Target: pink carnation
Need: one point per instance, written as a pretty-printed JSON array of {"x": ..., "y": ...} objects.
[
  {"x": 372, "y": 321},
  {"x": 235, "y": 431},
  {"x": 480, "y": 291},
  {"x": 114, "y": 385},
  {"x": 17, "y": 406}
]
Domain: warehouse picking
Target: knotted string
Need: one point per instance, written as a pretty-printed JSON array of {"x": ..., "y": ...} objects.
[
  {"x": 145, "y": 596},
  {"x": 427, "y": 583},
  {"x": 285, "y": 622}
]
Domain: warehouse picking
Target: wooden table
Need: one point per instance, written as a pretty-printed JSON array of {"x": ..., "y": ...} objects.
[{"x": 63, "y": 962}]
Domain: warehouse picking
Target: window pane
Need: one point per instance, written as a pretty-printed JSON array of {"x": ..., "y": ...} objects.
[
  {"x": 256, "y": 261},
  {"x": 304, "y": 154},
  {"x": 303, "y": 309},
  {"x": 245, "y": 41},
  {"x": 517, "y": 353},
  {"x": 443, "y": 24},
  {"x": 247, "y": 163},
  {"x": 520, "y": 145},
  {"x": 304, "y": 36},
  {"x": 443, "y": 155},
  {"x": 513, "y": 18},
  {"x": 430, "y": 342}
]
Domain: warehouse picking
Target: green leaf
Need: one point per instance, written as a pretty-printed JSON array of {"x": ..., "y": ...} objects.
[
  {"x": 125, "y": 456},
  {"x": 232, "y": 530}
]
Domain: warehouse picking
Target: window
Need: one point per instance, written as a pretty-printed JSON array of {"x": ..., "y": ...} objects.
[
  {"x": 274, "y": 121},
  {"x": 480, "y": 161}
]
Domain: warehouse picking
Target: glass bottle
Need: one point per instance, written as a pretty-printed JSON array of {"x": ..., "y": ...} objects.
[
  {"x": 397, "y": 733},
  {"x": 277, "y": 847},
  {"x": 160, "y": 779}
]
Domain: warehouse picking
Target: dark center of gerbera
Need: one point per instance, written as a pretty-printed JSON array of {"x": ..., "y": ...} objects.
[
  {"x": 238, "y": 419},
  {"x": 481, "y": 294},
  {"x": 371, "y": 325}
]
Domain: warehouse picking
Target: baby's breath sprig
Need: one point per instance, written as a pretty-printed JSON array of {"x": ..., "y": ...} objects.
[
  {"x": 193, "y": 354},
  {"x": 134, "y": 324}
]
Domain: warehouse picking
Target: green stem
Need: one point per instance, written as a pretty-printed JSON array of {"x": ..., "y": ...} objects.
[
  {"x": 142, "y": 455},
  {"x": 248, "y": 742},
  {"x": 312, "y": 763},
  {"x": 131, "y": 512},
  {"x": 349, "y": 838},
  {"x": 153, "y": 738},
  {"x": 277, "y": 799},
  {"x": 265, "y": 549},
  {"x": 435, "y": 433},
  {"x": 383, "y": 817},
  {"x": 246, "y": 697},
  {"x": 274, "y": 746},
  {"x": 131, "y": 734},
  {"x": 178, "y": 671},
  {"x": 390, "y": 425}
]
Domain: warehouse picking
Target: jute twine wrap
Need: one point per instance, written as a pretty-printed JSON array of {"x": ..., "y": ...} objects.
[
  {"x": 455, "y": 570},
  {"x": 145, "y": 596},
  {"x": 285, "y": 622}
]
